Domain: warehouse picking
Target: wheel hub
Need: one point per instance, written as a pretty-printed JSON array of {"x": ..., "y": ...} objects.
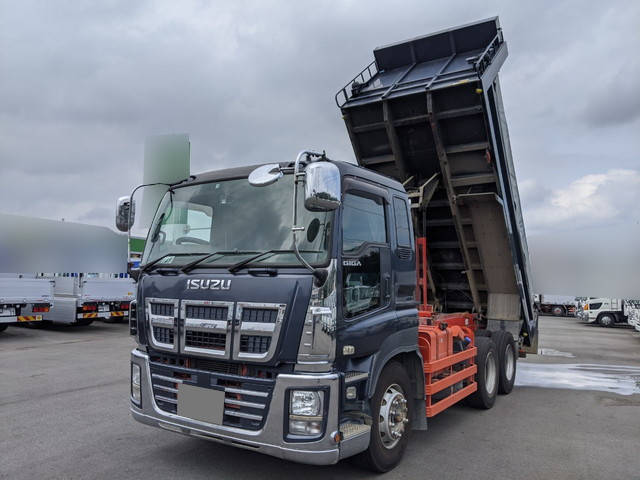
[{"x": 393, "y": 416}]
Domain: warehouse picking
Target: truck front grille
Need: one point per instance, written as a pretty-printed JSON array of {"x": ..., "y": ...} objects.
[
  {"x": 262, "y": 315},
  {"x": 246, "y": 401},
  {"x": 215, "y": 341},
  {"x": 163, "y": 334},
  {"x": 164, "y": 309},
  {"x": 254, "y": 344},
  {"x": 207, "y": 312}
]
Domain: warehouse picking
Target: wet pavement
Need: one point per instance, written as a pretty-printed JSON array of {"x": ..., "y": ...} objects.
[{"x": 64, "y": 413}]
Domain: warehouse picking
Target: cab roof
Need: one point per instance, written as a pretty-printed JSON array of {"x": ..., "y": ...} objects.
[{"x": 346, "y": 169}]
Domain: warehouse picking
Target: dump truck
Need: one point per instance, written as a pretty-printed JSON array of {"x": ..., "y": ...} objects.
[
  {"x": 317, "y": 310},
  {"x": 23, "y": 299},
  {"x": 80, "y": 298},
  {"x": 556, "y": 305}
]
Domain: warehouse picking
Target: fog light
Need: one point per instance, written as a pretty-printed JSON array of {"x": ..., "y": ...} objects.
[
  {"x": 305, "y": 425},
  {"x": 135, "y": 383}
]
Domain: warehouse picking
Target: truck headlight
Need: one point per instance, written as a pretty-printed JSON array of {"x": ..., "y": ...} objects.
[
  {"x": 135, "y": 383},
  {"x": 306, "y": 412},
  {"x": 306, "y": 403}
]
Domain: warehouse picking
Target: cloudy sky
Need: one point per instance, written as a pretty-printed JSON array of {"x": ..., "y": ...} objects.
[{"x": 83, "y": 83}]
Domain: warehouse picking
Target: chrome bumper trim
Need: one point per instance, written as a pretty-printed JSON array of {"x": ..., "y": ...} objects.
[{"x": 268, "y": 440}]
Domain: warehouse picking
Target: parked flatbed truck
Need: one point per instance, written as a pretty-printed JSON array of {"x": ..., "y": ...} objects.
[
  {"x": 23, "y": 299},
  {"x": 317, "y": 310},
  {"x": 81, "y": 298}
]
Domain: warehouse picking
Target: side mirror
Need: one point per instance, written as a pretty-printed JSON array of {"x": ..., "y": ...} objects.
[
  {"x": 322, "y": 191},
  {"x": 134, "y": 273},
  {"x": 122, "y": 214}
]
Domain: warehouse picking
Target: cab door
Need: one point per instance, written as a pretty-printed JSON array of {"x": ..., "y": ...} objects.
[{"x": 366, "y": 274}]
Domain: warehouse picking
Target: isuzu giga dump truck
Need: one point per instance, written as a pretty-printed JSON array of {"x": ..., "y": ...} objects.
[
  {"x": 23, "y": 299},
  {"x": 316, "y": 310}
]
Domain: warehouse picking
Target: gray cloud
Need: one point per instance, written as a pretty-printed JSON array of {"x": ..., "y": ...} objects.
[{"x": 83, "y": 83}]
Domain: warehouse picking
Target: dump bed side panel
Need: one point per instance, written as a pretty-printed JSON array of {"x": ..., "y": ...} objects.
[{"x": 429, "y": 113}]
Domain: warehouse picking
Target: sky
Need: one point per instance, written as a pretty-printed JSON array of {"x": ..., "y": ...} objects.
[{"x": 82, "y": 84}]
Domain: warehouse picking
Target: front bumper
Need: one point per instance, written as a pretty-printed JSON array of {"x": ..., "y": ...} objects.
[{"x": 270, "y": 438}]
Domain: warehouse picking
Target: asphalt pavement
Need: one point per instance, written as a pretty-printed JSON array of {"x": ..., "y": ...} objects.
[{"x": 64, "y": 413}]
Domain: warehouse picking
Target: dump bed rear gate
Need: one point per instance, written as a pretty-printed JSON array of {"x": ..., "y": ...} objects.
[{"x": 428, "y": 112}]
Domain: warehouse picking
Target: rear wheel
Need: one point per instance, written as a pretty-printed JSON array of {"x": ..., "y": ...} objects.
[
  {"x": 507, "y": 357},
  {"x": 487, "y": 375},
  {"x": 83, "y": 322},
  {"x": 391, "y": 420},
  {"x": 557, "y": 311},
  {"x": 606, "y": 320}
]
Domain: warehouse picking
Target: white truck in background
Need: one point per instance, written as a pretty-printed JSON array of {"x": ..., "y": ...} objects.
[
  {"x": 556, "y": 305},
  {"x": 81, "y": 298},
  {"x": 23, "y": 299},
  {"x": 606, "y": 312}
]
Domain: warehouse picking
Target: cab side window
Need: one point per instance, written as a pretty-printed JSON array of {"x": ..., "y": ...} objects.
[
  {"x": 363, "y": 230},
  {"x": 363, "y": 221},
  {"x": 403, "y": 231}
]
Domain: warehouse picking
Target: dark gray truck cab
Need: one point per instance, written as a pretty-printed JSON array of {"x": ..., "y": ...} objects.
[{"x": 256, "y": 335}]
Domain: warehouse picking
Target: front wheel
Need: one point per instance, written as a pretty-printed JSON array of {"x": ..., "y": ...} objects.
[
  {"x": 391, "y": 413},
  {"x": 606, "y": 320}
]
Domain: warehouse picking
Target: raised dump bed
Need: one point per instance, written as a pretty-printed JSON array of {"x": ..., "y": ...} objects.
[{"x": 428, "y": 112}]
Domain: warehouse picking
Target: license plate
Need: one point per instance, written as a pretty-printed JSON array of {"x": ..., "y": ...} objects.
[
  {"x": 103, "y": 308},
  {"x": 8, "y": 311},
  {"x": 203, "y": 404}
]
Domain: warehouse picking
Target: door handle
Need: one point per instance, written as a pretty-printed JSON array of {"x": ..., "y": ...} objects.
[{"x": 387, "y": 285}]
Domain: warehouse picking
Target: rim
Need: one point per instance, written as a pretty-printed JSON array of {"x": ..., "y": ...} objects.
[
  {"x": 510, "y": 363},
  {"x": 393, "y": 416},
  {"x": 606, "y": 320},
  {"x": 490, "y": 374}
]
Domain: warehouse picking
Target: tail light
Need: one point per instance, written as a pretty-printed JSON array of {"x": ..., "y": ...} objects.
[
  {"x": 89, "y": 308},
  {"x": 124, "y": 306},
  {"x": 40, "y": 308}
]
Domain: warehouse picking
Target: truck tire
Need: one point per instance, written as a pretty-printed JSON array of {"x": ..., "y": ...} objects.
[
  {"x": 557, "y": 311},
  {"x": 83, "y": 322},
  {"x": 487, "y": 376},
  {"x": 3, "y": 326},
  {"x": 391, "y": 420},
  {"x": 606, "y": 320},
  {"x": 507, "y": 360}
]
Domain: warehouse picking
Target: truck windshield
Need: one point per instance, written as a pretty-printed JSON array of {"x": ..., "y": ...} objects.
[{"x": 239, "y": 221}]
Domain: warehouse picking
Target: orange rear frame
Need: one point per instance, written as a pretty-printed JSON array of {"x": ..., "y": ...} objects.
[{"x": 443, "y": 369}]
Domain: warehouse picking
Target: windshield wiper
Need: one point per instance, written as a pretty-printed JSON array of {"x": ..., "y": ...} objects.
[
  {"x": 195, "y": 263},
  {"x": 235, "y": 267},
  {"x": 148, "y": 265}
]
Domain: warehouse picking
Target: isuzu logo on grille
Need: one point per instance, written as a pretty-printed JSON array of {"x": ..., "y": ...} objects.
[{"x": 205, "y": 284}]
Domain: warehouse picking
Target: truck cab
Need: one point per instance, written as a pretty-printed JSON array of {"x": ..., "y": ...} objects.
[
  {"x": 606, "y": 312},
  {"x": 294, "y": 352}
]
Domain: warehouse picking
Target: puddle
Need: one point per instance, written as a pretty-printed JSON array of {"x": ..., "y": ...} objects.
[
  {"x": 620, "y": 379},
  {"x": 550, "y": 352}
]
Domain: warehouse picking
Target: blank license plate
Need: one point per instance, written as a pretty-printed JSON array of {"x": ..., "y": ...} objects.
[
  {"x": 103, "y": 308},
  {"x": 203, "y": 404}
]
